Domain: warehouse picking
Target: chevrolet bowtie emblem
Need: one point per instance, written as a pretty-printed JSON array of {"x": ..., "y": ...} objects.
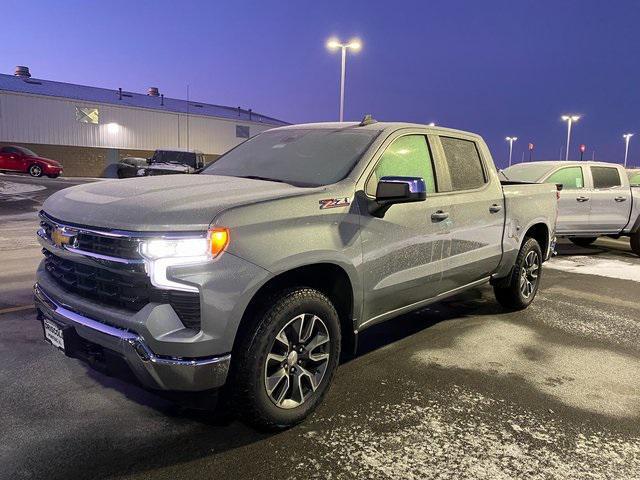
[{"x": 61, "y": 237}]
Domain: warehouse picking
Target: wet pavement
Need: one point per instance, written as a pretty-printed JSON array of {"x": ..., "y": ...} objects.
[{"x": 459, "y": 390}]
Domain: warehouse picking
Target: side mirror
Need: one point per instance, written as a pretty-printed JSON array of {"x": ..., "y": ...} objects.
[{"x": 392, "y": 190}]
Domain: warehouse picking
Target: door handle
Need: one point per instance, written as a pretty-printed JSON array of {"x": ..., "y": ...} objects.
[
  {"x": 439, "y": 216},
  {"x": 620, "y": 199},
  {"x": 582, "y": 199},
  {"x": 495, "y": 208}
]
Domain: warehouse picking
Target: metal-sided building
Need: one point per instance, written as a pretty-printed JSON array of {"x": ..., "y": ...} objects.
[{"x": 89, "y": 128}]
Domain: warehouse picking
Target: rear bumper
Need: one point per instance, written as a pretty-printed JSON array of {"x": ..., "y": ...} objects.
[{"x": 153, "y": 371}]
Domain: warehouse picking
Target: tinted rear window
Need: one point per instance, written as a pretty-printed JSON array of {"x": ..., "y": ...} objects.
[
  {"x": 526, "y": 172},
  {"x": 605, "y": 177},
  {"x": 465, "y": 166}
]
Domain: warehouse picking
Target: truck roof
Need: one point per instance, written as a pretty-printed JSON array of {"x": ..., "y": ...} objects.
[
  {"x": 553, "y": 163},
  {"x": 377, "y": 126}
]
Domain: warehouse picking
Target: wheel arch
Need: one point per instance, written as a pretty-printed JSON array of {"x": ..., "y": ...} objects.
[
  {"x": 326, "y": 277},
  {"x": 540, "y": 232}
]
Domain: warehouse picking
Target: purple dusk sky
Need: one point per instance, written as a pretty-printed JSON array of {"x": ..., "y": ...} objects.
[{"x": 498, "y": 68}]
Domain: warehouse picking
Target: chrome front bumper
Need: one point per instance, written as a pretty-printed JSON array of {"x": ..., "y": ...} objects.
[{"x": 153, "y": 371}]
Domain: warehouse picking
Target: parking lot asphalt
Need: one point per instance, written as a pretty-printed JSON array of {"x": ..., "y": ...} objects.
[{"x": 458, "y": 390}]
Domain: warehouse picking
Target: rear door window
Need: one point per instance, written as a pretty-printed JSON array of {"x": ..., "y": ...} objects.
[
  {"x": 605, "y": 177},
  {"x": 465, "y": 166},
  {"x": 634, "y": 178},
  {"x": 569, "y": 177},
  {"x": 407, "y": 156}
]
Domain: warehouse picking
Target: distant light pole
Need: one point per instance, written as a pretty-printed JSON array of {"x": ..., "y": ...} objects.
[
  {"x": 627, "y": 137},
  {"x": 511, "y": 140},
  {"x": 333, "y": 45},
  {"x": 569, "y": 119}
]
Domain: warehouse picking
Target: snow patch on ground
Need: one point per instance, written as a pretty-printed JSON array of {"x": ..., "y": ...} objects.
[
  {"x": 464, "y": 435},
  {"x": 12, "y": 188},
  {"x": 604, "y": 267}
]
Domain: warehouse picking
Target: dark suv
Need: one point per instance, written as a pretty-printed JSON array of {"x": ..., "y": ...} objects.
[{"x": 163, "y": 162}]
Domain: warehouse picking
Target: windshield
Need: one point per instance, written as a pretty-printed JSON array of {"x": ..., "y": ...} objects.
[
  {"x": 306, "y": 157},
  {"x": 26, "y": 151},
  {"x": 168, "y": 156},
  {"x": 526, "y": 172}
]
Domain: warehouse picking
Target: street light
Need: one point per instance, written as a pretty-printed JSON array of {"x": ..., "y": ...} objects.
[
  {"x": 627, "y": 137},
  {"x": 511, "y": 140},
  {"x": 569, "y": 119},
  {"x": 334, "y": 44}
]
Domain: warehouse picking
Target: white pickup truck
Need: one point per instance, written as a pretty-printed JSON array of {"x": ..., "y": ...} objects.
[{"x": 596, "y": 199}]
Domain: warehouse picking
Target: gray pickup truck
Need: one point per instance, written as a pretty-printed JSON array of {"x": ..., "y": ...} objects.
[
  {"x": 597, "y": 199},
  {"x": 257, "y": 273}
]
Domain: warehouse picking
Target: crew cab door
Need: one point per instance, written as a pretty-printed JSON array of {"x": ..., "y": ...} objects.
[
  {"x": 476, "y": 203},
  {"x": 610, "y": 199},
  {"x": 574, "y": 206},
  {"x": 403, "y": 250}
]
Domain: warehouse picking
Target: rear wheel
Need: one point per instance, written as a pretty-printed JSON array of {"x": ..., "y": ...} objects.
[
  {"x": 635, "y": 242},
  {"x": 35, "y": 170},
  {"x": 284, "y": 363},
  {"x": 583, "y": 241},
  {"x": 521, "y": 287}
]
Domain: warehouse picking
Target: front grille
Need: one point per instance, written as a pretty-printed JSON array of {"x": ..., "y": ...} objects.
[
  {"x": 120, "y": 247},
  {"x": 128, "y": 287},
  {"x": 154, "y": 172}
]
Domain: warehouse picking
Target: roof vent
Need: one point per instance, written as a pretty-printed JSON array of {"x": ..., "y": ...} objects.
[
  {"x": 153, "y": 92},
  {"x": 22, "y": 71}
]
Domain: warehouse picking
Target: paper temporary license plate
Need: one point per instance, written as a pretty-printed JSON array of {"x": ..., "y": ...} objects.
[{"x": 53, "y": 333}]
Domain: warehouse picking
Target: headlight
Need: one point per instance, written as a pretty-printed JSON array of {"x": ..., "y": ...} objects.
[
  {"x": 161, "y": 253},
  {"x": 184, "y": 247}
]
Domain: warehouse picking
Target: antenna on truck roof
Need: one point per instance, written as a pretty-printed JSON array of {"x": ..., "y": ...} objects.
[{"x": 367, "y": 120}]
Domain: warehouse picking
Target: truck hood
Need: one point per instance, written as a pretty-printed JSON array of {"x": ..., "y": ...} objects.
[{"x": 162, "y": 203}]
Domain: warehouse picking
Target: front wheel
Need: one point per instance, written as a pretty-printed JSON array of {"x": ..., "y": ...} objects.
[
  {"x": 583, "y": 241},
  {"x": 523, "y": 284},
  {"x": 35, "y": 170},
  {"x": 635, "y": 242},
  {"x": 284, "y": 363},
  {"x": 55, "y": 175}
]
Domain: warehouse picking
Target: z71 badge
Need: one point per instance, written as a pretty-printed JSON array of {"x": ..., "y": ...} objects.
[{"x": 334, "y": 203}]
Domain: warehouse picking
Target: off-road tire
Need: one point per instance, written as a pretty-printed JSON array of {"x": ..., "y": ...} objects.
[
  {"x": 583, "y": 241},
  {"x": 509, "y": 293},
  {"x": 248, "y": 394},
  {"x": 634, "y": 240}
]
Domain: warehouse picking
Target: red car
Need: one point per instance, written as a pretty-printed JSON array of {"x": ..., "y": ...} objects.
[{"x": 23, "y": 160}]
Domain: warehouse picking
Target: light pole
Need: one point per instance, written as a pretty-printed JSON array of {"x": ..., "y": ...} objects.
[
  {"x": 333, "y": 45},
  {"x": 511, "y": 140},
  {"x": 569, "y": 119},
  {"x": 627, "y": 137}
]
